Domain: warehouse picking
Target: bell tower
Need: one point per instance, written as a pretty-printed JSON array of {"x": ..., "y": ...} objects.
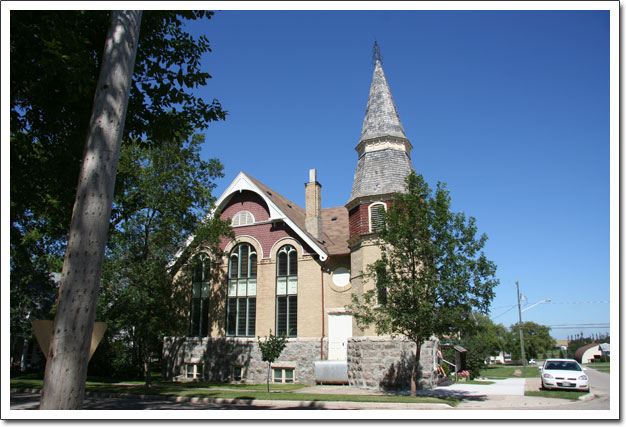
[{"x": 384, "y": 161}]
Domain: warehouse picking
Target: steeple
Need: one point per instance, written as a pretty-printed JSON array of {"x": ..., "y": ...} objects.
[
  {"x": 381, "y": 115},
  {"x": 384, "y": 150}
]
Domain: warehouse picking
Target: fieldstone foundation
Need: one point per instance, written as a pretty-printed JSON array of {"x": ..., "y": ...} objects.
[
  {"x": 218, "y": 358},
  {"x": 387, "y": 362},
  {"x": 373, "y": 362}
]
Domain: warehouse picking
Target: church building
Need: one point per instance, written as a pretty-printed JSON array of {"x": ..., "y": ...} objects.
[{"x": 292, "y": 270}]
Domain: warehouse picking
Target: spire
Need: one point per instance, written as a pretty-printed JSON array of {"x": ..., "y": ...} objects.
[
  {"x": 384, "y": 150},
  {"x": 381, "y": 116}
]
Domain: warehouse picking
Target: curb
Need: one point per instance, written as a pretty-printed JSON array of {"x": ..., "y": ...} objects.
[
  {"x": 587, "y": 397},
  {"x": 288, "y": 404}
]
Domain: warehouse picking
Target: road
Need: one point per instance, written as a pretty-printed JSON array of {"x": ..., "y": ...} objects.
[{"x": 25, "y": 401}]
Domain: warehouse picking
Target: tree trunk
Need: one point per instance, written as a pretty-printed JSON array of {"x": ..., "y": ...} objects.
[
  {"x": 415, "y": 371},
  {"x": 146, "y": 369},
  {"x": 68, "y": 355}
]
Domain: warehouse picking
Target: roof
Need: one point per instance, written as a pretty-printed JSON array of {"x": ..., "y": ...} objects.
[
  {"x": 581, "y": 351},
  {"x": 380, "y": 172},
  {"x": 381, "y": 115},
  {"x": 384, "y": 151}
]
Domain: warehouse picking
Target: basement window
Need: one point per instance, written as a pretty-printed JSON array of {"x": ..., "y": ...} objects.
[
  {"x": 237, "y": 373},
  {"x": 283, "y": 375},
  {"x": 193, "y": 371}
]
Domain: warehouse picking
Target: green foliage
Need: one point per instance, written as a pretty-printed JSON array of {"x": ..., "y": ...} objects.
[
  {"x": 166, "y": 195},
  {"x": 55, "y": 62},
  {"x": 537, "y": 340},
  {"x": 432, "y": 272},
  {"x": 484, "y": 339},
  {"x": 270, "y": 349}
]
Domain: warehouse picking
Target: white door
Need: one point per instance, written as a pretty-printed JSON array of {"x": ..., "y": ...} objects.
[{"x": 339, "y": 330}]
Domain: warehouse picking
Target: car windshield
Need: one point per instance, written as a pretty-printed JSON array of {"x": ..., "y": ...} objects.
[{"x": 562, "y": 366}]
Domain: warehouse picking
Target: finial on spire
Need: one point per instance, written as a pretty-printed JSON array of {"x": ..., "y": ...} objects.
[{"x": 377, "y": 55}]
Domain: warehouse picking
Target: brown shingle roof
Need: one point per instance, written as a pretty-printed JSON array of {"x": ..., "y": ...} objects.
[{"x": 334, "y": 232}]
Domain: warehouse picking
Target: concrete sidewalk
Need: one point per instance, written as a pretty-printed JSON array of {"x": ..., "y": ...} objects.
[{"x": 506, "y": 394}]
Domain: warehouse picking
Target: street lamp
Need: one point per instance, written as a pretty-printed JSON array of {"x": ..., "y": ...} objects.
[{"x": 536, "y": 304}]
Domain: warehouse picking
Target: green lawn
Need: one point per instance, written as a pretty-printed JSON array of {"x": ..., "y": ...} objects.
[
  {"x": 559, "y": 394},
  {"x": 243, "y": 392},
  {"x": 600, "y": 366},
  {"x": 508, "y": 371}
]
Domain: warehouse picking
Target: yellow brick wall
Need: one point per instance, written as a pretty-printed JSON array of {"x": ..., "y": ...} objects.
[{"x": 310, "y": 305}]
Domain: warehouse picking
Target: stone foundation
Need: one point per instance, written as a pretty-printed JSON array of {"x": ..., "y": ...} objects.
[
  {"x": 387, "y": 362},
  {"x": 373, "y": 362},
  {"x": 218, "y": 357}
]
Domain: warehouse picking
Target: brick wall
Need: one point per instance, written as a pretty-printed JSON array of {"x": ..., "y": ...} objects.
[
  {"x": 247, "y": 201},
  {"x": 358, "y": 219},
  {"x": 267, "y": 235}
]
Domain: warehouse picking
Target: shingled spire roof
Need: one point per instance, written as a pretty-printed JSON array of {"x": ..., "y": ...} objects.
[
  {"x": 381, "y": 116},
  {"x": 384, "y": 150}
]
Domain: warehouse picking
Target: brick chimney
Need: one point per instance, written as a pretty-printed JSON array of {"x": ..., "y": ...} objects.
[{"x": 313, "y": 204}]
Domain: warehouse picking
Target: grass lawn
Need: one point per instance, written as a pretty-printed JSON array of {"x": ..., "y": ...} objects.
[
  {"x": 246, "y": 392},
  {"x": 508, "y": 371},
  {"x": 600, "y": 366},
  {"x": 559, "y": 394}
]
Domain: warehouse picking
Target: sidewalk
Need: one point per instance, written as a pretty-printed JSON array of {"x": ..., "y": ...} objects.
[{"x": 504, "y": 394}]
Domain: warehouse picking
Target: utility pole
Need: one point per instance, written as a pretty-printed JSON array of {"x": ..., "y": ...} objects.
[{"x": 521, "y": 333}]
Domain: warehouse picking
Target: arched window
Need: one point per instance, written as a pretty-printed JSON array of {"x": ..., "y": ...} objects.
[
  {"x": 241, "y": 303},
  {"x": 377, "y": 211},
  {"x": 200, "y": 289},
  {"x": 287, "y": 291},
  {"x": 242, "y": 218}
]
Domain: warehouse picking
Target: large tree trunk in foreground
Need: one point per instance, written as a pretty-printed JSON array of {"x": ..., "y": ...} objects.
[{"x": 68, "y": 355}]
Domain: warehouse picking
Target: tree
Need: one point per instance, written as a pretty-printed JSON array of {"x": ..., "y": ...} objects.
[
  {"x": 537, "y": 340},
  {"x": 55, "y": 61},
  {"x": 70, "y": 342},
  {"x": 271, "y": 348},
  {"x": 56, "y": 57},
  {"x": 431, "y": 274},
  {"x": 170, "y": 190},
  {"x": 484, "y": 339}
]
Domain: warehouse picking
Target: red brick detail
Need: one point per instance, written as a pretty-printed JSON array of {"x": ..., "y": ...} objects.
[
  {"x": 358, "y": 218},
  {"x": 267, "y": 235},
  {"x": 247, "y": 201}
]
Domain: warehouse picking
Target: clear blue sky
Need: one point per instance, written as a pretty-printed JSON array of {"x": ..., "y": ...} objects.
[{"x": 509, "y": 108}]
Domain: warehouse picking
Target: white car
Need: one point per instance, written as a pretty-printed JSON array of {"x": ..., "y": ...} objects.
[{"x": 563, "y": 374}]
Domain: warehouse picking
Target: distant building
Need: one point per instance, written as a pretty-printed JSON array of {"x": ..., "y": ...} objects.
[{"x": 591, "y": 352}]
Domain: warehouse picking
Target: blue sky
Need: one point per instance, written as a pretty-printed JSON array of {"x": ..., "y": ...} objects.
[{"x": 509, "y": 108}]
